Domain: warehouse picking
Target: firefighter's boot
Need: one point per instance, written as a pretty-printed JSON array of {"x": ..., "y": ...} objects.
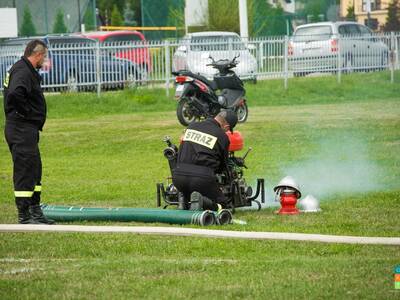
[
  {"x": 182, "y": 205},
  {"x": 208, "y": 204},
  {"x": 200, "y": 202},
  {"x": 196, "y": 201},
  {"x": 24, "y": 215},
  {"x": 36, "y": 210}
]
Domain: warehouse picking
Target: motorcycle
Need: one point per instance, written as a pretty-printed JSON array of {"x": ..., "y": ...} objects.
[{"x": 200, "y": 98}]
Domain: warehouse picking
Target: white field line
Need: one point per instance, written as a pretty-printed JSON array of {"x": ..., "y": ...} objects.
[{"x": 178, "y": 231}]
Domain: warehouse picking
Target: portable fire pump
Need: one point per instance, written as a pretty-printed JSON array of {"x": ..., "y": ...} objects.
[{"x": 232, "y": 181}]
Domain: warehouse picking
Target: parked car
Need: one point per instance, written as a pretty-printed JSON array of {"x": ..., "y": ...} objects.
[
  {"x": 72, "y": 62},
  {"x": 315, "y": 47},
  {"x": 139, "y": 53},
  {"x": 195, "y": 49}
]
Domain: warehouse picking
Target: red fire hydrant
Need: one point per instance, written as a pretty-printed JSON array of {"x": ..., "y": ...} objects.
[
  {"x": 288, "y": 202},
  {"x": 287, "y": 192}
]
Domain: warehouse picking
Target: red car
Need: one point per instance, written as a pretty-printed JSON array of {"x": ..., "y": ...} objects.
[{"x": 139, "y": 55}]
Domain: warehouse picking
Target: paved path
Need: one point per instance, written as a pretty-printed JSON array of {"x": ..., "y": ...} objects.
[{"x": 180, "y": 231}]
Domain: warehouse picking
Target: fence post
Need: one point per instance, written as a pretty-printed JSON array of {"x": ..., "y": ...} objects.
[
  {"x": 339, "y": 61},
  {"x": 261, "y": 55},
  {"x": 286, "y": 61},
  {"x": 396, "y": 50},
  {"x": 167, "y": 67},
  {"x": 98, "y": 66},
  {"x": 392, "y": 54}
]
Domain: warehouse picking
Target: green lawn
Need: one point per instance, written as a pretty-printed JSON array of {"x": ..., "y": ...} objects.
[{"x": 341, "y": 142}]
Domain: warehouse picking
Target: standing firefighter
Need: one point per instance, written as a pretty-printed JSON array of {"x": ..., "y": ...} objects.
[
  {"x": 25, "y": 110},
  {"x": 202, "y": 154}
]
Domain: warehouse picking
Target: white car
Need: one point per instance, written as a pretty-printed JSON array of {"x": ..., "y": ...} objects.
[
  {"x": 316, "y": 47},
  {"x": 195, "y": 49}
]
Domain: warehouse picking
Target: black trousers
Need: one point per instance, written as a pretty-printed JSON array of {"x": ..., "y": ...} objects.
[
  {"x": 191, "y": 178},
  {"x": 23, "y": 142}
]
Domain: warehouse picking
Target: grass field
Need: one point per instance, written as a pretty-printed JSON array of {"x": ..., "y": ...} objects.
[{"x": 341, "y": 142}]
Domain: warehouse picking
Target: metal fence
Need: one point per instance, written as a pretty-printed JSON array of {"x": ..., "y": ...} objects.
[{"x": 95, "y": 66}]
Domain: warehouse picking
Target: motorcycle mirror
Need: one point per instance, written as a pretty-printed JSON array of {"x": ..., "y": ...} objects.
[{"x": 236, "y": 56}]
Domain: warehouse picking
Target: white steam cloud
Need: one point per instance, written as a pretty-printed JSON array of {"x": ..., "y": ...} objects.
[{"x": 340, "y": 165}]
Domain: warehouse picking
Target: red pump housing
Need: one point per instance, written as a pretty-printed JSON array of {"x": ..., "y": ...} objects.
[{"x": 236, "y": 141}]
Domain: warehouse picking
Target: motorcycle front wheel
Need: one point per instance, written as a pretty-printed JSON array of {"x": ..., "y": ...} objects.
[
  {"x": 242, "y": 112},
  {"x": 184, "y": 112}
]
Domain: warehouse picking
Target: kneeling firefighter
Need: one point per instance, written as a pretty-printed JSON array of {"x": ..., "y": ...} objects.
[{"x": 202, "y": 154}]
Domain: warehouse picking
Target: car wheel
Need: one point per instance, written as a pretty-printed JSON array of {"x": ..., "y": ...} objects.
[
  {"x": 142, "y": 74},
  {"x": 299, "y": 74},
  {"x": 72, "y": 82},
  {"x": 348, "y": 64},
  {"x": 185, "y": 113},
  {"x": 131, "y": 81},
  {"x": 384, "y": 61}
]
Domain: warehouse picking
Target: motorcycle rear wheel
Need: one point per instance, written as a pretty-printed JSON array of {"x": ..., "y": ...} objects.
[
  {"x": 184, "y": 113},
  {"x": 242, "y": 112}
]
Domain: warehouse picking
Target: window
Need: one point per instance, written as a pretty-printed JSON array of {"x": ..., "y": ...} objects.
[
  {"x": 313, "y": 33},
  {"x": 349, "y": 29},
  {"x": 54, "y": 41},
  {"x": 371, "y": 23},
  {"x": 375, "y": 5},
  {"x": 123, "y": 38},
  {"x": 16, "y": 42},
  {"x": 216, "y": 43},
  {"x": 364, "y": 30}
]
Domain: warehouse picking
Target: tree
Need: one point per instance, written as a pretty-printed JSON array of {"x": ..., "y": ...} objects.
[
  {"x": 27, "y": 27},
  {"x": 106, "y": 7},
  {"x": 176, "y": 15},
  {"x": 223, "y": 17},
  {"x": 137, "y": 8},
  {"x": 314, "y": 9},
  {"x": 59, "y": 25},
  {"x": 393, "y": 17},
  {"x": 89, "y": 19},
  {"x": 350, "y": 13},
  {"x": 129, "y": 15},
  {"x": 264, "y": 19},
  {"x": 116, "y": 18}
]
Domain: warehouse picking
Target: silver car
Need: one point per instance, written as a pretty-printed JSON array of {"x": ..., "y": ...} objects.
[
  {"x": 194, "y": 51},
  {"x": 316, "y": 47}
]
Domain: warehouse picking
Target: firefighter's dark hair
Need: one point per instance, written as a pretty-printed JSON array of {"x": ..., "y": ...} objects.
[
  {"x": 34, "y": 47},
  {"x": 230, "y": 117}
]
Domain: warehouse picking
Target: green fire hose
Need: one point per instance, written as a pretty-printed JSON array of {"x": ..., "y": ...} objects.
[{"x": 73, "y": 213}]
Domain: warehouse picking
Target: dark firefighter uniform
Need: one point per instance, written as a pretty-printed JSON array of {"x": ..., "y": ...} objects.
[
  {"x": 202, "y": 153},
  {"x": 25, "y": 110}
]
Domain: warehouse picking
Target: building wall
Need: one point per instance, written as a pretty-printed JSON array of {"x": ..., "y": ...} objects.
[
  {"x": 378, "y": 11},
  {"x": 344, "y": 4}
]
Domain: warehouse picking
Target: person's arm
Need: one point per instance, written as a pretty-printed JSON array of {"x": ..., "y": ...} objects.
[
  {"x": 224, "y": 159},
  {"x": 19, "y": 90}
]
